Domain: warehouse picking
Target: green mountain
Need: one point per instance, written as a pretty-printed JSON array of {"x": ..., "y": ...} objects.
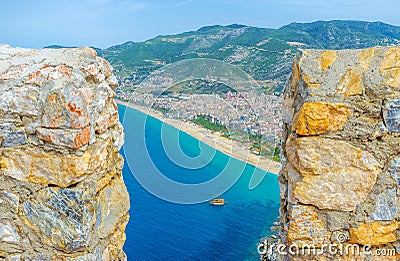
[{"x": 265, "y": 54}]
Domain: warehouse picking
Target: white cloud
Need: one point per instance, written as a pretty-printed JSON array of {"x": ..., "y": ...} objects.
[{"x": 185, "y": 2}]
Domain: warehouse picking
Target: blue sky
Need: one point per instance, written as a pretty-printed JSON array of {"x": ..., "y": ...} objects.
[{"x": 103, "y": 23}]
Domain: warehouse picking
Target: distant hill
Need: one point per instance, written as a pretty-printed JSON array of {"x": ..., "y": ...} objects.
[
  {"x": 265, "y": 54},
  {"x": 55, "y": 46}
]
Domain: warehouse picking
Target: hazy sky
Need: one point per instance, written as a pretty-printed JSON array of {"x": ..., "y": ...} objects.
[{"x": 102, "y": 23}]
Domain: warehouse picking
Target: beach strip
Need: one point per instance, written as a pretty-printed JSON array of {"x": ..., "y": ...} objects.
[{"x": 230, "y": 147}]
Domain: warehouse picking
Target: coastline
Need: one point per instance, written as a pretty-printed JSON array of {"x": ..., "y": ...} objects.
[{"x": 215, "y": 140}]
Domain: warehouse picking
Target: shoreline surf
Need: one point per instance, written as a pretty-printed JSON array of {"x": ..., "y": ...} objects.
[{"x": 215, "y": 140}]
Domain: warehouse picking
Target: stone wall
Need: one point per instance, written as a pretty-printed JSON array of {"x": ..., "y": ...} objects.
[
  {"x": 340, "y": 181},
  {"x": 62, "y": 196}
]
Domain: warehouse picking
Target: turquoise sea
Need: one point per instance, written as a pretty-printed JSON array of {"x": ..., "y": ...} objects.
[{"x": 161, "y": 230}]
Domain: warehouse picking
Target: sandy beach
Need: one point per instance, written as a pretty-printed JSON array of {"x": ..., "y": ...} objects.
[{"x": 230, "y": 147}]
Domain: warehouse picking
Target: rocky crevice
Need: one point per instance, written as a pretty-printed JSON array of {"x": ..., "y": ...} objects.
[{"x": 62, "y": 195}]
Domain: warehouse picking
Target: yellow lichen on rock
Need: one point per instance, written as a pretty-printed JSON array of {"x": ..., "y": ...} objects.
[
  {"x": 3, "y": 164},
  {"x": 394, "y": 79},
  {"x": 327, "y": 59},
  {"x": 351, "y": 83},
  {"x": 391, "y": 60},
  {"x": 336, "y": 175},
  {"x": 36, "y": 166},
  {"x": 374, "y": 234},
  {"x": 305, "y": 228},
  {"x": 390, "y": 68},
  {"x": 307, "y": 80},
  {"x": 317, "y": 117},
  {"x": 365, "y": 57}
]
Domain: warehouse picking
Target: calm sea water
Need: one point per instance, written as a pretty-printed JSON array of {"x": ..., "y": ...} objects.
[{"x": 161, "y": 230}]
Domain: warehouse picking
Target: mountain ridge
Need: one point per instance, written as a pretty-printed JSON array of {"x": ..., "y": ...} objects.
[{"x": 265, "y": 53}]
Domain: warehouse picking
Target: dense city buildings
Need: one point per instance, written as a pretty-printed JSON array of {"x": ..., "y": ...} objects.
[{"x": 249, "y": 112}]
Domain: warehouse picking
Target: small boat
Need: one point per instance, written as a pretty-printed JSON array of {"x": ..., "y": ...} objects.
[{"x": 217, "y": 202}]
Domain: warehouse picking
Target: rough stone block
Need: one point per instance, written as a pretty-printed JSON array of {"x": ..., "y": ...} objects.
[
  {"x": 365, "y": 57},
  {"x": 71, "y": 138},
  {"x": 351, "y": 83},
  {"x": 305, "y": 228},
  {"x": 14, "y": 138},
  {"x": 339, "y": 156},
  {"x": 108, "y": 118},
  {"x": 374, "y": 234},
  {"x": 386, "y": 206},
  {"x": 327, "y": 59},
  {"x": 62, "y": 196},
  {"x": 336, "y": 175},
  {"x": 33, "y": 165},
  {"x": 66, "y": 108},
  {"x": 8, "y": 232},
  {"x": 391, "y": 115},
  {"x": 318, "y": 117},
  {"x": 63, "y": 217},
  {"x": 390, "y": 68},
  {"x": 394, "y": 170}
]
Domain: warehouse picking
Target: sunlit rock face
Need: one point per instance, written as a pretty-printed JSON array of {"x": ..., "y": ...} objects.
[
  {"x": 62, "y": 195},
  {"x": 341, "y": 148}
]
